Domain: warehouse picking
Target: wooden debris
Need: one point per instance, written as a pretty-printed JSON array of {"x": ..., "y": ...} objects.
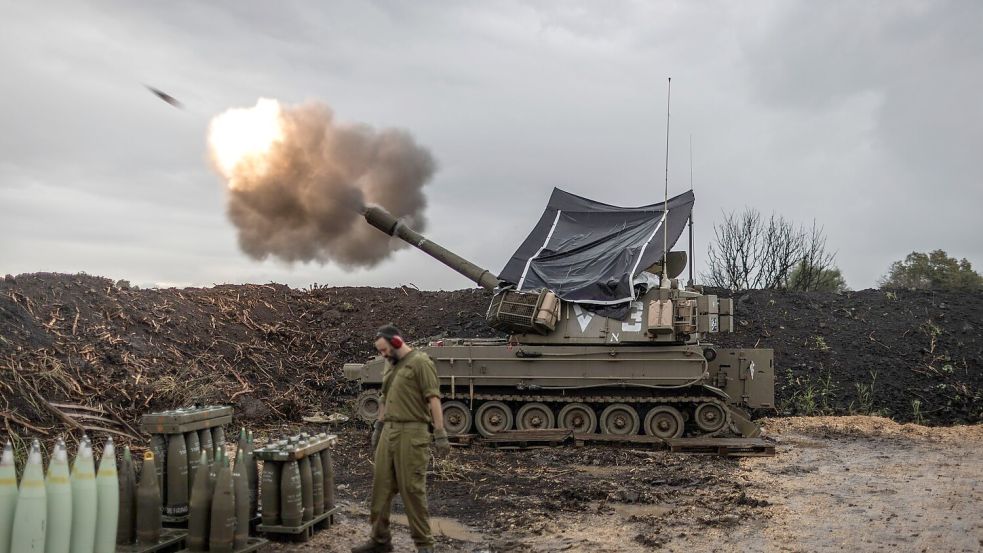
[{"x": 726, "y": 447}]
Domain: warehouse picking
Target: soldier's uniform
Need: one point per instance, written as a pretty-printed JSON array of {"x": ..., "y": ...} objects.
[{"x": 403, "y": 453}]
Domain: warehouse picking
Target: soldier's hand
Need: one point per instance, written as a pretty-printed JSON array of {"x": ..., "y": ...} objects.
[
  {"x": 440, "y": 442},
  {"x": 377, "y": 433}
]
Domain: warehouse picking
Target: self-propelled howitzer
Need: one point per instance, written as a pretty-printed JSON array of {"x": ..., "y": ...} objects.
[{"x": 642, "y": 366}]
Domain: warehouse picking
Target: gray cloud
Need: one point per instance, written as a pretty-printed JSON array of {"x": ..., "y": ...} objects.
[{"x": 861, "y": 116}]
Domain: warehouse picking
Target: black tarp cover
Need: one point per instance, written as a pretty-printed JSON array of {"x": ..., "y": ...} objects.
[{"x": 588, "y": 252}]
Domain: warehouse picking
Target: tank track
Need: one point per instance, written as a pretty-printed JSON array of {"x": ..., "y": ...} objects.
[
  {"x": 607, "y": 399},
  {"x": 591, "y": 400}
]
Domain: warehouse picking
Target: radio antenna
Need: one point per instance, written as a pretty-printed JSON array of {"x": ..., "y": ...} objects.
[
  {"x": 665, "y": 203},
  {"x": 690, "y": 212}
]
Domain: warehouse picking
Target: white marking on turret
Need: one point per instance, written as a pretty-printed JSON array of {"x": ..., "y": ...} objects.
[
  {"x": 583, "y": 317},
  {"x": 634, "y": 322}
]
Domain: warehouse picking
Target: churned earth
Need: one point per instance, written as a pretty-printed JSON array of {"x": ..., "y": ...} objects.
[
  {"x": 276, "y": 353},
  {"x": 855, "y": 483}
]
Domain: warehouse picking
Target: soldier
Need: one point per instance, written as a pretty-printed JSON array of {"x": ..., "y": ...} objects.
[{"x": 410, "y": 402}]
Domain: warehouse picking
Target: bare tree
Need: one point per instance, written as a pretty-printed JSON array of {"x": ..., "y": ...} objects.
[
  {"x": 781, "y": 250},
  {"x": 753, "y": 252},
  {"x": 734, "y": 257},
  {"x": 815, "y": 270}
]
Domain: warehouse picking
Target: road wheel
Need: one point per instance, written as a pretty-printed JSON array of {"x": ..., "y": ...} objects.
[
  {"x": 457, "y": 418},
  {"x": 619, "y": 419},
  {"x": 535, "y": 416},
  {"x": 578, "y": 417},
  {"x": 710, "y": 417},
  {"x": 367, "y": 406},
  {"x": 493, "y": 417},
  {"x": 665, "y": 422}
]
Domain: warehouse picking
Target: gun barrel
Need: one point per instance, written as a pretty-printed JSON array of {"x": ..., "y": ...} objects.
[{"x": 384, "y": 221}]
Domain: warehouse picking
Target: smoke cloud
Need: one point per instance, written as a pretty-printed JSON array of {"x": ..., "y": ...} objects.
[{"x": 299, "y": 180}]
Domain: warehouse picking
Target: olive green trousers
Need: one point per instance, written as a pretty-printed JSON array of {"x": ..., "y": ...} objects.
[{"x": 401, "y": 459}]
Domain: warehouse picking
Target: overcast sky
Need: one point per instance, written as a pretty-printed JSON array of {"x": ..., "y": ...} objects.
[{"x": 865, "y": 116}]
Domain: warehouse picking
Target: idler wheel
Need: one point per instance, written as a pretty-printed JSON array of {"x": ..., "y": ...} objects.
[
  {"x": 710, "y": 417},
  {"x": 535, "y": 416},
  {"x": 578, "y": 417},
  {"x": 457, "y": 417},
  {"x": 493, "y": 417},
  {"x": 663, "y": 421},
  {"x": 619, "y": 419},
  {"x": 367, "y": 406}
]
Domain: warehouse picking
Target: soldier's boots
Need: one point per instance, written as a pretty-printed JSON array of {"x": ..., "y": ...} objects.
[{"x": 373, "y": 546}]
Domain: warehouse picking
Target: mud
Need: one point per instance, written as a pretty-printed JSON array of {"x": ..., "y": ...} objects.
[{"x": 836, "y": 484}]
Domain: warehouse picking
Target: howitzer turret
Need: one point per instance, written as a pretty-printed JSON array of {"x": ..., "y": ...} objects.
[{"x": 600, "y": 335}]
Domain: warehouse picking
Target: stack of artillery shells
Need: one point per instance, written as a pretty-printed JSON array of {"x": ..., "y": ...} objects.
[
  {"x": 297, "y": 486},
  {"x": 219, "y": 507},
  {"x": 178, "y": 437}
]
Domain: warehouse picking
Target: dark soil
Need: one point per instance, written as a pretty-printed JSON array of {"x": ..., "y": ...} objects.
[
  {"x": 912, "y": 355},
  {"x": 277, "y": 352}
]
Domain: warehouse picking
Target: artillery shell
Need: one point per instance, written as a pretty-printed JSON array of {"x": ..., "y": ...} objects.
[
  {"x": 8, "y": 495},
  {"x": 148, "y": 502},
  {"x": 58, "y": 489},
  {"x": 177, "y": 476},
  {"x": 126, "y": 526},
  {"x": 241, "y": 443},
  {"x": 270, "y": 493},
  {"x": 212, "y": 473},
  {"x": 317, "y": 484},
  {"x": 85, "y": 500},
  {"x": 194, "y": 453},
  {"x": 242, "y": 446},
  {"x": 200, "y": 506},
  {"x": 252, "y": 474},
  {"x": 205, "y": 442},
  {"x": 218, "y": 437},
  {"x": 291, "y": 497},
  {"x": 158, "y": 444},
  {"x": 223, "y": 524},
  {"x": 30, "y": 517},
  {"x": 327, "y": 468},
  {"x": 241, "y": 488},
  {"x": 306, "y": 488},
  {"x": 107, "y": 492}
]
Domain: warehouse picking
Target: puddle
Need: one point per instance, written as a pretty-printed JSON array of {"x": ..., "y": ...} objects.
[{"x": 443, "y": 526}]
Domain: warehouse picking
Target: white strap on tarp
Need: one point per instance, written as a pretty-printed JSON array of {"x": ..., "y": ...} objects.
[
  {"x": 641, "y": 253},
  {"x": 556, "y": 220}
]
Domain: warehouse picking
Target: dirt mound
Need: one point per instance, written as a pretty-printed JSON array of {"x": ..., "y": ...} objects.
[
  {"x": 910, "y": 355},
  {"x": 277, "y": 352},
  {"x": 858, "y": 426},
  {"x": 273, "y": 351}
]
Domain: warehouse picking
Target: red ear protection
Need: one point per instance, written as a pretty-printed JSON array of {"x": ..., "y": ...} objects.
[{"x": 396, "y": 342}]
